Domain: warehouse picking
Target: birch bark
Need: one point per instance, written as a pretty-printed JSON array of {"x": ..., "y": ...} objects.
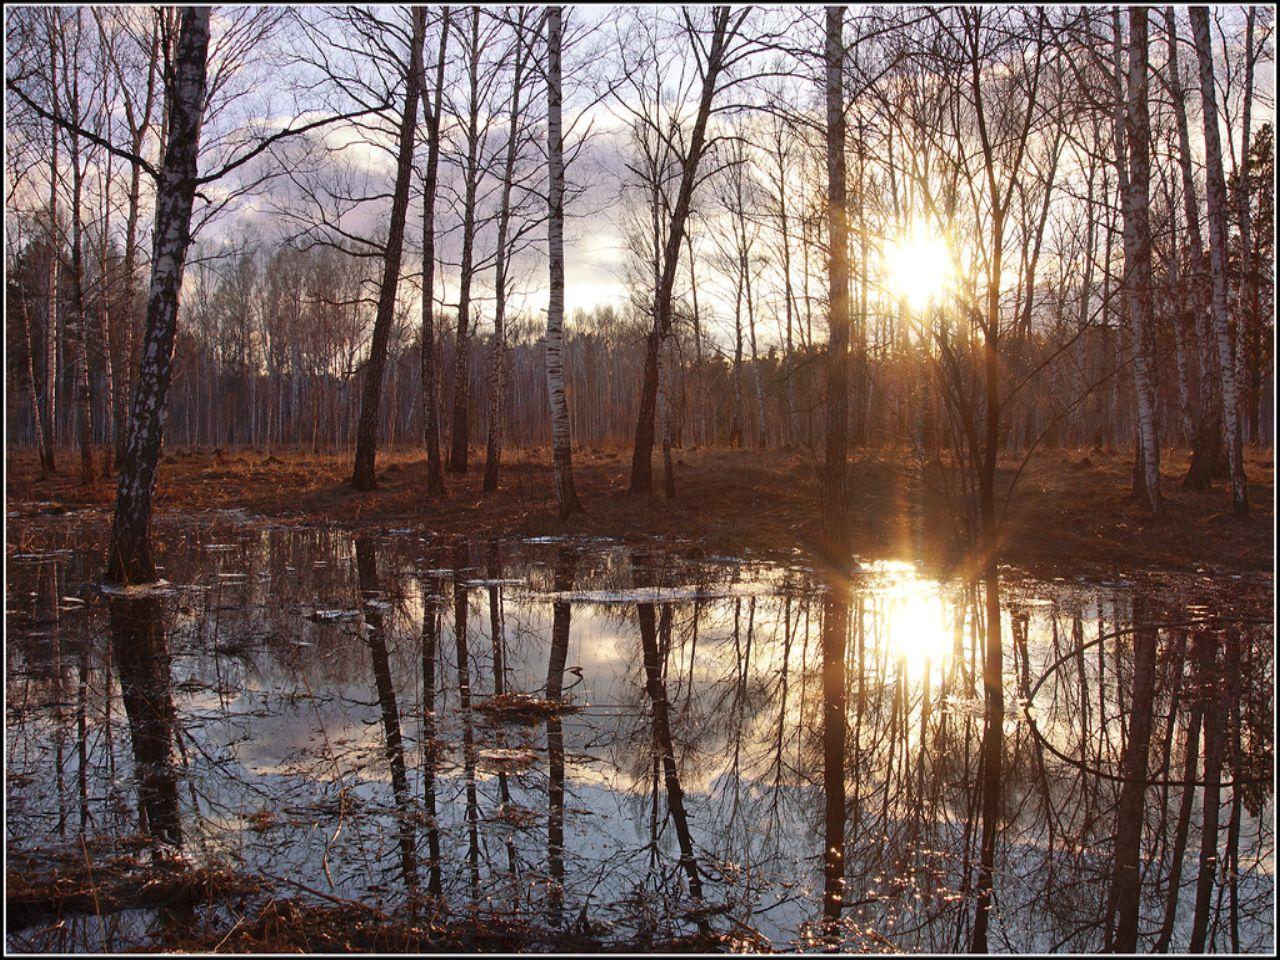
[
  {"x": 1217, "y": 197},
  {"x": 561, "y": 447},
  {"x": 130, "y": 560}
]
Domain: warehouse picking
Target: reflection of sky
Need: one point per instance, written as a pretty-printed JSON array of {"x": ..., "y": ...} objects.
[{"x": 291, "y": 726}]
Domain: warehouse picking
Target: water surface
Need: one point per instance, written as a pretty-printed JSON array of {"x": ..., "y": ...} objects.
[{"x": 335, "y": 712}]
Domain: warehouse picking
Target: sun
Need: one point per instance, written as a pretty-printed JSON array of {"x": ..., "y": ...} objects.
[{"x": 918, "y": 267}]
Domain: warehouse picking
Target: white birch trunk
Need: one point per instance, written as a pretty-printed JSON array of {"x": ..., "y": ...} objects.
[
  {"x": 1217, "y": 197},
  {"x": 561, "y": 448}
]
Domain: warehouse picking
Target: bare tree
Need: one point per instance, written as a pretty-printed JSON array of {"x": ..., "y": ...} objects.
[
  {"x": 430, "y": 364},
  {"x": 561, "y": 445},
  {"x": 1135, "y": 194},
  {"x": 367, "y": 439},
  {"x": 1216, "y": 191},
  {"x": 497, "y": 372},
  {"x": 130, "y": 559},
  {"x": 724, "y": 28},
  {"x": 835, "y": 507}
]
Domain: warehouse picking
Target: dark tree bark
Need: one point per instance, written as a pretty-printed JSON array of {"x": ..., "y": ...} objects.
[
  {"x": 722, "y": 34},
  {"x": 835, "y": 482},
  {"x": 835, "y": 545},
  {"x": 430, "y": 362},
  {"x": 1126, "y": 885},
  {"x": 367, "y": 434}
]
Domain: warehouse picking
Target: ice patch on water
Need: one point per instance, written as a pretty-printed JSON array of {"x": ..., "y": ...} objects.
[{"x": 333, "y": 616}]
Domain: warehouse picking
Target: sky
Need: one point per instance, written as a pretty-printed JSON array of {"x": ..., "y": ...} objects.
[{"x": 278, "y": 83}]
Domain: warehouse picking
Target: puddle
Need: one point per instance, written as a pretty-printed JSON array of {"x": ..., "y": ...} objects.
[{"x": 563, "y": 730}]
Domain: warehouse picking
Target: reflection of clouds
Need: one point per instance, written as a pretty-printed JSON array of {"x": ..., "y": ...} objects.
[{"x": 296, "y": 731}]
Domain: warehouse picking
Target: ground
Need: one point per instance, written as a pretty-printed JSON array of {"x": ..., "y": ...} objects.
[{"x": 1070, "y": 511}]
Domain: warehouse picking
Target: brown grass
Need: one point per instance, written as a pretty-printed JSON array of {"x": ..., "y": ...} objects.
[
  {"x": 43, "y": 892},
  {"x": 295, "y": 925},
  {"x": 1071, "y": 511}
]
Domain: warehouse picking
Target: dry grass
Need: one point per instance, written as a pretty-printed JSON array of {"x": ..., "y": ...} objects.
[
  {"x": 295, "y": 925},
  {"x": 523, "y": 708},
  {"x": 41, "y": 890},
  {"x": 1070, "y": 513}
]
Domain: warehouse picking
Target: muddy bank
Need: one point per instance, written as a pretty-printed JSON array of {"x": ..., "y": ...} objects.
[{"x": 1070, "y": 513}]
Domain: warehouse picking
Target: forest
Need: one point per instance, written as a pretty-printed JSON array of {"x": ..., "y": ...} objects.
[{"x": 789, "y": 478}]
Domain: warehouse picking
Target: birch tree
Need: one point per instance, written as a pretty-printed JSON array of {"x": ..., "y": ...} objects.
[
  {"x": 1135, "y": 195},
  {"x": 561, "y": 446},
  {"x": 1216, "y": 191},
  {"x": 130, "y": 560}
]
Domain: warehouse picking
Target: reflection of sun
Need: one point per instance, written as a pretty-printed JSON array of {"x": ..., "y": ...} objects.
[
  {"x": 918, "y": 267},
  {"x": 916, "y": 627}
]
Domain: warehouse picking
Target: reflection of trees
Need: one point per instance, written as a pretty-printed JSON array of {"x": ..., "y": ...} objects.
[
  {"x": 743, "y": 713},
  {"x": 430, "y": 750},
  {"x": 460, "y": 608},
  {"x": 375, "y": 636},
  {"x": 655, "y": 687},
  {"x": 564, "y": 570},
  {"x": 141, "y": 655}
]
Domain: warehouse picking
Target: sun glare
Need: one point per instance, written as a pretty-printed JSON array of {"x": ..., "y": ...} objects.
[
  {"x": 917, "y": 626},
  {"x": 918, "y": 268}
]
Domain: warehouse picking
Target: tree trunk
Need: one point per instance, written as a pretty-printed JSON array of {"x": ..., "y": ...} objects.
[
  {"x": 79, "y": 327},
  {"x": 50, "y": 412},
  {"x": 1135, "y": 193},
  {"x": 36, "y": 425},
  {"x": 835, "y": 544},
  {"x": 834, "y": 486},
  {"x": 459, "y": 434},
  {"x": 367, "y": 436},
  {"x": 430, "y": 362},
  {"x": 1217, "y": 197},
  {"x": 130, "y": 558},
  {"x": 561, "y": 447},
  {"x": 497, "y": 377},
  {"x": 642, "y": 457}
]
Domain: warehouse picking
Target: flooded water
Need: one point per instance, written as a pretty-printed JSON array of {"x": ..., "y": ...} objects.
[{"x": 628, "y": 743}]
